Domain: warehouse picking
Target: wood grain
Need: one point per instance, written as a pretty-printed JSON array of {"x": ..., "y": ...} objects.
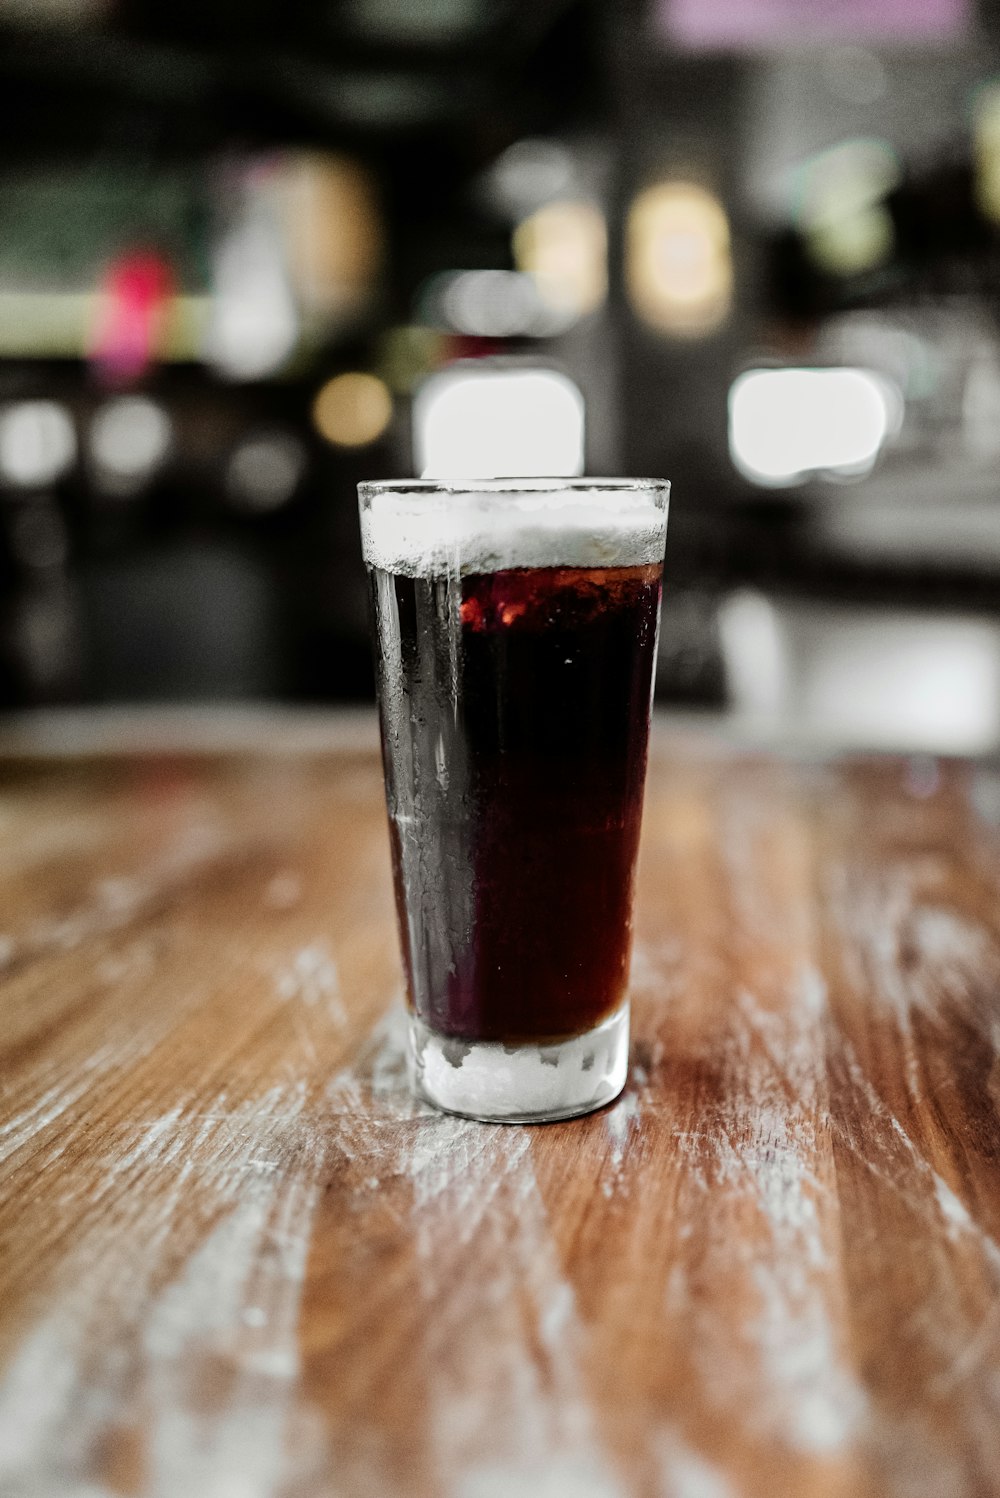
[{"x": 237, "y": 1261}]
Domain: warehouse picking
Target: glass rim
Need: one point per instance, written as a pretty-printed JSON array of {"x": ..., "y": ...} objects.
[{"x": 369, "y": 488}]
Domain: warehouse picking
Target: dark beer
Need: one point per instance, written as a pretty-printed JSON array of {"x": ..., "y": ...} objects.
[{"x": 515, "y": 711}]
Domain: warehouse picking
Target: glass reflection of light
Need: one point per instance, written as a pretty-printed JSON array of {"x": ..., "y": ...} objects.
[
  {"x": 129, "y": 439},
  {"x": 564, "y": 248},
  {"x": 678, "y": 263},
  {"x": 37, "y": 443},
  {"x": 787, "y": 424},
  {"x": 498, "y": 423},
  {"x": 352, "y": 409}
]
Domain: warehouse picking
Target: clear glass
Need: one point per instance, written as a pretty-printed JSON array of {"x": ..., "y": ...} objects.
[{"x": 515, "y": 629}]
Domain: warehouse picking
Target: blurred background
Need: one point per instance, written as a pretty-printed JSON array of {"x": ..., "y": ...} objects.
[{"x": 253, "y": 253}]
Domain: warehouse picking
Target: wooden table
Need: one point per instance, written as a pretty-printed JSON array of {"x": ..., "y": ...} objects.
[{"x": 236, "y": 1261}]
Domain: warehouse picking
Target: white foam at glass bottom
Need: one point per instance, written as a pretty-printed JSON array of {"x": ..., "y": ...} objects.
[
  {"x": 524, "y": 1083},
  {"x": 424, "y": 535}
]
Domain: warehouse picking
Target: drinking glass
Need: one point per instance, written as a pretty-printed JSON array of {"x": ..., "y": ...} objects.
[{"x": 515, "y": 631}]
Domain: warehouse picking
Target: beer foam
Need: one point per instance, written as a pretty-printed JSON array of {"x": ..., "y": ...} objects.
[{"x": 432, "y": 535}]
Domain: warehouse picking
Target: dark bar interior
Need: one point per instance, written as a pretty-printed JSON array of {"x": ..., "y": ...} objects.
[{"x": 252, "y": 254}]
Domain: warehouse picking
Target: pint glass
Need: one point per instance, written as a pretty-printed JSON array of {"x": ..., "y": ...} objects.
[{"x": 515, "y": 634}]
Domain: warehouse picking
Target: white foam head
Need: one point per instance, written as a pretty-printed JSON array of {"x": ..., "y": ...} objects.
[{"x": 433, "y": 533}]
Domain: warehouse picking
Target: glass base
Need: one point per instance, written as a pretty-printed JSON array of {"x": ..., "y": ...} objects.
[{"x": 520, "y": 1083}]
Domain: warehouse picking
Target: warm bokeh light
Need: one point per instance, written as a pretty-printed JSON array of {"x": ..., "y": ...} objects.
[
  {"x": 564, "y": 248},
  {"x": 299, "y": 256},
  {"x": 332, "y": 230},
  {"x": 483, "y": 422},
  {"x": 986, "y": 149},
  {"x": 352, "y": 409},
  {"x": 788, "y": 424},
  {"x": 678, "y": 261}
]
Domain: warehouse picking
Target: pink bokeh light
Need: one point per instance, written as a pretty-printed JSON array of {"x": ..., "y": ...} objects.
[{"x": 728, "y": 25}]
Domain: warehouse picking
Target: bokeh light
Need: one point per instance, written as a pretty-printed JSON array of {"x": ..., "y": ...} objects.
[
  {"x": 253, "y": 327},
  {"x": 529, "y": 173},
  {"x": 129, "y": 439},
  {"x": 788, "y": 424},
  {"x": 564, "y": 248},
  {"x": 986, "y": 149},
  {"x": 406, "y": 354},
  {"x": 37, "y": 443},
  {"x": 678, "y": 261},
  {"x": 264, "y": 471},
  {"x": 487, "y": 304},
  {"x": 841, "y": 206},
  {"x": 352, "y": 409},
  {"x": 492, "y": 422}
]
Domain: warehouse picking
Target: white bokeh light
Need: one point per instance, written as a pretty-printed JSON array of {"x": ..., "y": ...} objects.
[
  {"x": 265, "y": 470},
  {"x": 254, "y": 323},
  {"x": 37, "y": 443},
  {"x": 498, "y": 423},
  {"x": 863, "y": 677},
  {"x": 129, "y": 439},
  {"x": 489, "y": 303},
  {"x": 788, "y": 424}
]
